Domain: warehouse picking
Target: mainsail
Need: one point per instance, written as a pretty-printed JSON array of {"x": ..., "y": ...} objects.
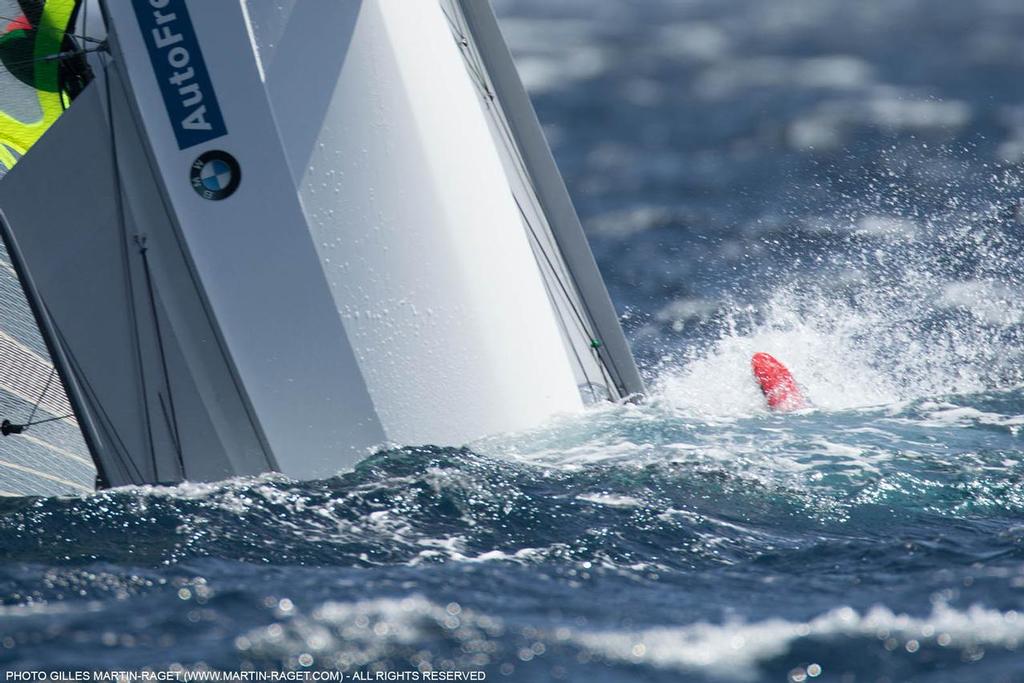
[{"x": 288, "y": 235}]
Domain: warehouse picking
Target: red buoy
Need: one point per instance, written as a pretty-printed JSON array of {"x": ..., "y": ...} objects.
[{"x": 777, "y": 383}]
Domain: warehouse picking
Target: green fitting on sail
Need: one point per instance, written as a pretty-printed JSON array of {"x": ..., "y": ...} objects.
[{"x": 31, "y": 97}]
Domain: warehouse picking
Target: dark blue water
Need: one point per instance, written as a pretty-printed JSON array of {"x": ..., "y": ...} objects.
[{"x": 834, "y": 182}]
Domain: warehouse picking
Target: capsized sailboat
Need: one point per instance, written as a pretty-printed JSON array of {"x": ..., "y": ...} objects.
[{"x": 273, "y": 239}]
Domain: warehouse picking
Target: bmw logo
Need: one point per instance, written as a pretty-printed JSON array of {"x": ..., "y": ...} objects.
[{"x": 215, "y": 175}]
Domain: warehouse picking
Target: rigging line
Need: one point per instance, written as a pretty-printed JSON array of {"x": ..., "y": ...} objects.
[
  {"x": 211, "y": 321},
  {"x": 471, "y": 67},
  {"x": 172, "y": 427},
  {"x": 556, "y": 272},
  {"x": 547, "y": 258},
  {"x": 558, "y": 268},
  {"x": 475, "y": 65},
  {"x": 42, "y": 395},
  {"x": 54, "y": 29},
  {"x": 475, "y": 60},
  {"x": 126, "y": 264},
  {"x": 127, "y": 464},
  {"x": 525, "y": 176},
  {"x": 460, "y": 15},
  {"x": 80, "y": 8},
  {"x": 603, "y": 359},
  {"x": 175, "y": 435},
  {"x": 569, "y": 301},
  {"x": 466, "y": 48},
  {"x": 565, "y": 326},
  {"x": 479, "y": 69},
  {"x": 476, "y": 68},
  {"x": 67, "y": 54},
  {"x": 49, "y": 419},
  {"x": 7, "y": 427},
  {"x": 535, "y": 246},
  {"x": 453, "y": 26},
  {"x": 85, "y": 19}
]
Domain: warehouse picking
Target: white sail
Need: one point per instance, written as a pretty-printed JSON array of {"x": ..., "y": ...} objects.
[{"x": 300, "y": 233}]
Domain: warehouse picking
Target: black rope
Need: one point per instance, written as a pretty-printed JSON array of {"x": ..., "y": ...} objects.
[
  {"x": 7, "y": 427},
  {"x": 49, "y": 419}
]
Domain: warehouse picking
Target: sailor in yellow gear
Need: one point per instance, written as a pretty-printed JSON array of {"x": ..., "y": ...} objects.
[{"x": 31, "y": 98}]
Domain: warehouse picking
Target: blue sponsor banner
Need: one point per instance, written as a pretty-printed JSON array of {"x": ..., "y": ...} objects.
[{"x": 178, "y": 63}]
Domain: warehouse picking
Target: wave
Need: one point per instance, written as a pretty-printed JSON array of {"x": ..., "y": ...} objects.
[
  {"x": 603, "y": 489},
  {"x": 739, "y": 650},
  {"x": 350, "y": 635}
]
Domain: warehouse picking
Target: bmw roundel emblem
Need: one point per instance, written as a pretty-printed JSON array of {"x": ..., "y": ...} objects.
[{"x": 215, "y": 175}]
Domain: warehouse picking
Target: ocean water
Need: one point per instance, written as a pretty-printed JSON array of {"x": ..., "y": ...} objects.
[{"x": 837, "y": 183}]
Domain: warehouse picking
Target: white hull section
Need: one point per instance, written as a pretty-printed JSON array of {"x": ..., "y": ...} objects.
[
  {"x": 417, "y": 232},
  {"x": 370, "y": 278}
]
